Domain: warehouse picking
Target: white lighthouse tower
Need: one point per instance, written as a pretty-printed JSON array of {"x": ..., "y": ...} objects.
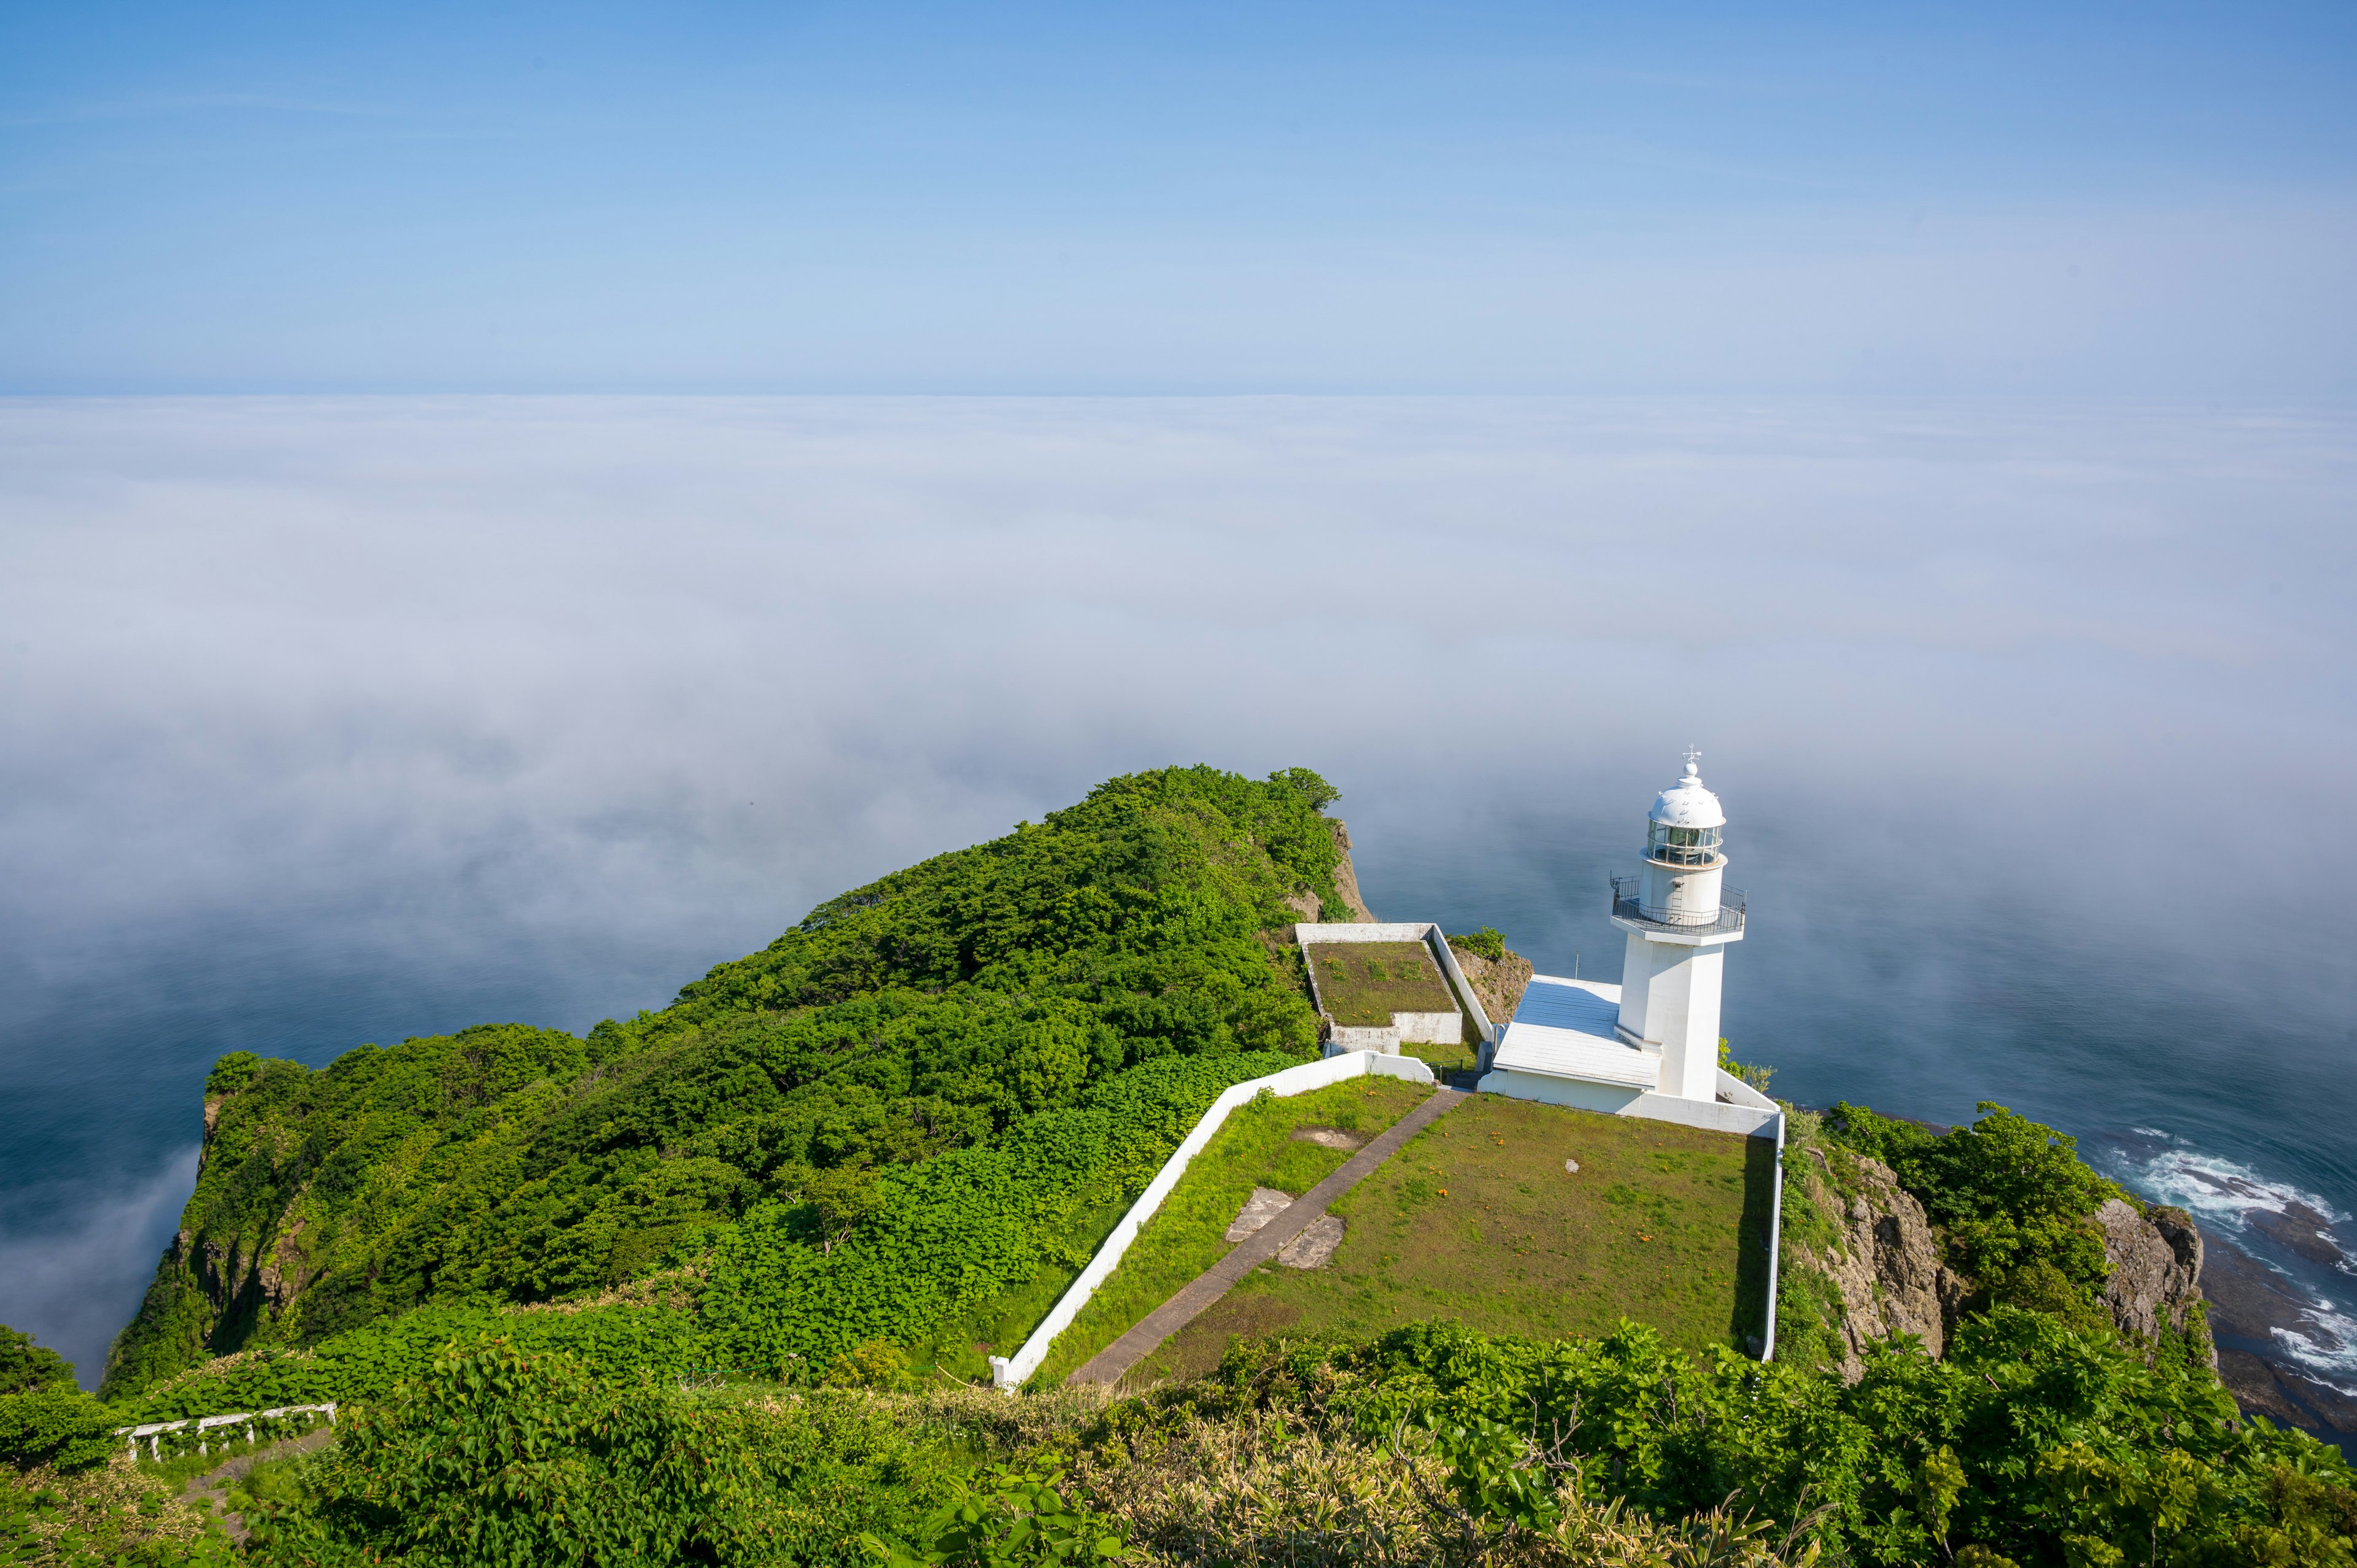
[
  {"x": 1649, "y": 1045},
  {"x": 1679, "y": 924}
]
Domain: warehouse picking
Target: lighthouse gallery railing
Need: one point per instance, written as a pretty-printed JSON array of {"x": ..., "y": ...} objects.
[{"x": 1627, "y": 905}]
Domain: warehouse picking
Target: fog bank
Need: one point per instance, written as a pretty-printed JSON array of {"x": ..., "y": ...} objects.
[{"x": 329, "y": 720}]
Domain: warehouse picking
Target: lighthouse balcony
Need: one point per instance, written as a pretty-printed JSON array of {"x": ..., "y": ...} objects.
[{"x": 1630, "y": 911}]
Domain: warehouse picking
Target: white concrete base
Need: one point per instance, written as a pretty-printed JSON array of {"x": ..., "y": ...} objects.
[
  {"x": 1611, "y": 1098},
  {"x": 1762, "y": 1119}
]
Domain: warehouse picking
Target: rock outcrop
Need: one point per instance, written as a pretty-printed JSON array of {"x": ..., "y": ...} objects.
[
  {"x": 1499, "y": 982},
  {"x": 1346, "y": 877},
  {"x": 2155, "y": 1260},
  {"x": 1887, "y": 1266}
]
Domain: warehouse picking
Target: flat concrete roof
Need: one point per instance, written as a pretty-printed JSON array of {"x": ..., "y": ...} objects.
[{"x": 1563, "y": 1028}]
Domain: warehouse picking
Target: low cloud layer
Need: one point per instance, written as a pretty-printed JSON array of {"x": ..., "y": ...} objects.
[{"x": 338, "y": 720}]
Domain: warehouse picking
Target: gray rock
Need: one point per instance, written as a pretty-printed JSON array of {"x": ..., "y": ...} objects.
[
  {"x": 1315, "y": 1245},
  {"x": 1887, "y": 1266},
  {"x": 2156, "y": 1268},
  {"x": 1265, "y": 1205}
]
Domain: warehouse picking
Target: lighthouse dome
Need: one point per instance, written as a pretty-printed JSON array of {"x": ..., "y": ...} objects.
[{"x": 1686, "y": 804}]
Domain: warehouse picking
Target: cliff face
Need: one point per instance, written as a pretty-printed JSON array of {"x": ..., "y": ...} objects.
[
  {"x": 1887, "y": 1266},
  {"x": 1346, "y": 877},
  {"x": 2155, "y": 1260},
  {"x": 1891, "y": 1279},
  {"x": 1499, "y": 984}
]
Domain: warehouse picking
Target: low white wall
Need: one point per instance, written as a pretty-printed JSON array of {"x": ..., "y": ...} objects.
[
  {"x": 1430, "y": 1029},
  {"x": 1707, "y": 1114},
  {"x": 1009, "y": 1372},
  {"x": 1344, "y": 1038}
]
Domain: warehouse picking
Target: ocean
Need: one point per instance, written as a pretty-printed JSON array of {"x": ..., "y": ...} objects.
[{"x": 341, "y": 720}]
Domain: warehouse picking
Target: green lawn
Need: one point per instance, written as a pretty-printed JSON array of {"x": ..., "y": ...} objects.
[
  {"x": 1476, "y": 1220},
  {"x": 1255, "y": 1148},
  {"x": 1363, "y": 984}
]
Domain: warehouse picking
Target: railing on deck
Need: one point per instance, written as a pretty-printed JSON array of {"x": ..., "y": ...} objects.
[{"x": 1627, "y": 905}]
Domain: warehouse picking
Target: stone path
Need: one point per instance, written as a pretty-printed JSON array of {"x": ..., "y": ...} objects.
[{"x": 1109, "y": 1365}]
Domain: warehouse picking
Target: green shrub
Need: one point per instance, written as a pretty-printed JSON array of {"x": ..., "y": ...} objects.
[
  {"x": 495, "y": 1457},
  {"x": 2030, "y": 1441},
  {"x": 2010, "y": 1198},
  {"x": 1485, "y": 943},
  {"x": 62, "y": 1428},
  {"x": 907, "y": 1042},
  {"x": 1012, "y": 1518},
  {"x": 24, "y": 1366}
]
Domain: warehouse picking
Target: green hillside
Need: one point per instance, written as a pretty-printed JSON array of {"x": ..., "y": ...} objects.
[
  {"x": 931, "y": 1091},
  {"x": 702, "y": 1286}
]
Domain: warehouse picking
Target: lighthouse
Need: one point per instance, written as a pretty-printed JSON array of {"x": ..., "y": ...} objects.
[
  {"x": 1649, "y": 1045},
  {"x": 1679, "y": 922}
]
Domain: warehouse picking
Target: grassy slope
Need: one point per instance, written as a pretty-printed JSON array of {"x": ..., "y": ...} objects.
[
  {"x": 1255, "y": 1148},
  {"x": 1477, "y": 1220}
]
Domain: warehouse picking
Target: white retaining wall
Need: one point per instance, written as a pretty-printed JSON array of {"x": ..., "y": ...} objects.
[{"x": 1009, "y": 1372}]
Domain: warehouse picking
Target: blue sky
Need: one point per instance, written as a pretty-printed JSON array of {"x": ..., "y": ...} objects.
[{"x": 2144, "y": 200}]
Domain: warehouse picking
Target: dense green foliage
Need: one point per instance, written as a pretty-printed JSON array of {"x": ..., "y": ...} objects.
[
  {"x": 498, "y": 1457},
  {"x": 2009, "y": 1196},
  {"x": 24, "y": 1366},
  {"x": 905, "y": 1103},
  {"x": 44, "y": 1418},
  {"x": 2030, "y": 1441},
  {"x": 1488, "y": 942}
]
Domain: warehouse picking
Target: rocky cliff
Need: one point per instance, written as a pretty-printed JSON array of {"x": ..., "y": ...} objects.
[
  {"x": 1887, "y": 1270},
  {"x": 1499, "y": 982},
  {"x": 1887, "y": 1266},
  {"x": 1346, "y": 877},
  {"x": 2155, "y": 1260}
]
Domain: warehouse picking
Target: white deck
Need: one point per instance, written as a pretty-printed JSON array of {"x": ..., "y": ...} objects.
[{"x": 1563, "y": 1028}]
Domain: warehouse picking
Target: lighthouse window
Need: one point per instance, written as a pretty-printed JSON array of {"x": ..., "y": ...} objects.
[{"x": 1682, "y": 846}]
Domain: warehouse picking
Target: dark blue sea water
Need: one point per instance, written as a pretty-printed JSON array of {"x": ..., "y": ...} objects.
[{"x": 323, "y": 722}]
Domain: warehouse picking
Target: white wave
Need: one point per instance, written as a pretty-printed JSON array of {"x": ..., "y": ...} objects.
[
  {"x": 2328, "y": 1348},
  {"x": 2218, "y": 1188}
]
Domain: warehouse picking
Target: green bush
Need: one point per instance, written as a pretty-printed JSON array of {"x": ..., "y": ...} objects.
[
  {"x": 908, "y": 1041},
  {"x": 1485, "y": 943},
  {"x": 495, "y": 1457},
  {"x": 2030, "y": 1441},
  {"x": 62, "y": 1428},
  {"x": 2011, "y": 1198},
  {"x": 24, "y": 1366},
  {"x": 1012, "y": 1517}
]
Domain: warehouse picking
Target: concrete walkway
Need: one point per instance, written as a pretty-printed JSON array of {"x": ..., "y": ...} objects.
[{"x": 1109, "y": 1365}]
